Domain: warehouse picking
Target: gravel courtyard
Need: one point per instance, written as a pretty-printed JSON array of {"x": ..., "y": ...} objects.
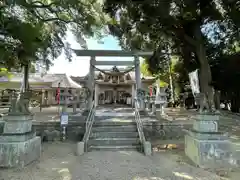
[{"x": 58, "y": 162}]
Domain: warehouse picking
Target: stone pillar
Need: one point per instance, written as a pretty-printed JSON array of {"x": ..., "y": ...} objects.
[
  {"x": 96, "y": 94},
  {"x": 153, "y": 104},
  {"x": 148, "y": 103},
  {"x": 43, "y": 97},
  {"x": 157, "y": 101},
  {"x": 77, "y": 99},
  {"x": 138, "y": 95},
  {"x": 137, "y": 73},
  {"x": 65, "y": 104},
  {"x": 133, "y": 94},
  {"x": 74, "y": 102},
  {"x": 91, "y": 81}
]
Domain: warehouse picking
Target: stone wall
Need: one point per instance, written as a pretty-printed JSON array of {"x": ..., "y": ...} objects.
[
  {"x": 76, "y": 128},
  {"x": 51, "y": 131},
  {"x": 165, "y": 131}
]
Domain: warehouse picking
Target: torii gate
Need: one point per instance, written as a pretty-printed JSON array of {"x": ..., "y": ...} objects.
[{"x": 111, "y": 53}]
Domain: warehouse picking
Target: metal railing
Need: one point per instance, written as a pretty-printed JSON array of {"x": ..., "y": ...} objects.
[
  {"x": 88, "y": 125},
  {"x": 139, "y": 124}
]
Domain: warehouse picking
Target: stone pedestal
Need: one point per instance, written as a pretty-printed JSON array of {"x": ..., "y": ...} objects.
[
  {"x": 19, "y": 144},
  {"x": 205, "y": 146}
]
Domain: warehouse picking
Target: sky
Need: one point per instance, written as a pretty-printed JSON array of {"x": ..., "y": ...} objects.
[{"x": 80, "y": 65}]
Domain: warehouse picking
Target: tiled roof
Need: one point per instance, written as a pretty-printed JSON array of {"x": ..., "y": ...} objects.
[
  {"x": 96, "y": 73},
  {"x": 65, "y": 80}
]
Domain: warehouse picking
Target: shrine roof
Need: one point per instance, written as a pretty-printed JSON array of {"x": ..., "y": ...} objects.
[
  {"x": 96, "y": 74},
  {"x": 52, "y": 79}
]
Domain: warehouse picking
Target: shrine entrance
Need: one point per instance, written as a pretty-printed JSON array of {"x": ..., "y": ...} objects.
[{"x": 116, "y": 77}]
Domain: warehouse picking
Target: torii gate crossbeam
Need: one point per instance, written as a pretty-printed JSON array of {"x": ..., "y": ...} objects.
[{"x": 112, "y": 53}]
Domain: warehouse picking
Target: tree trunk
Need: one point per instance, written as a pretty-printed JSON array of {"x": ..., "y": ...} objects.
[
  {"x": 205, "y": 71},
  {"x": 235, "y": 104},
  {"x": 25, "y": 83}
]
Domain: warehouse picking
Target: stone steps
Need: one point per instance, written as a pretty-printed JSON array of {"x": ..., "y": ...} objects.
[
  {"x": 114, "y": 123},
  {"x": 115, "y": 148},
  {"x": 114, "y": 141},
  {"x": 114, "y": 136},
  {"x": 130, "y": 128}
]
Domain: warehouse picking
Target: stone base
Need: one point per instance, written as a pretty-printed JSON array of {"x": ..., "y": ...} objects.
[
  {"x": 207, "y": 136},
  {"x": 19, "y": 154},
  {"x": 208, "y": 153},
  {"x": 159, "y": 114},
  {"x": 17, "y": 137},
  {"x": 16, "y": 124}
]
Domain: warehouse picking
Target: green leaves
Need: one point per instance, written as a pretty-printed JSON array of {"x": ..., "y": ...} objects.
[
  {"x": 5, "y": 73},
  {"x": 35, "y": 30}
]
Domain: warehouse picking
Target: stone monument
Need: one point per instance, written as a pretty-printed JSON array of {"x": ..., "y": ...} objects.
[
  {"x": 160, "y": 101},
  {"x": 204, "y": 144},
  {"x": 19, "y": 144}
]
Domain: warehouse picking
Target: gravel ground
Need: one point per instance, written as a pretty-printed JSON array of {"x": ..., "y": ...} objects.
[{"x": 58, "y": 162}]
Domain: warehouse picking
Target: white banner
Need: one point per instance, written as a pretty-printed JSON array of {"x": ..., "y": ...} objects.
[{"x": 194, "y": 82}]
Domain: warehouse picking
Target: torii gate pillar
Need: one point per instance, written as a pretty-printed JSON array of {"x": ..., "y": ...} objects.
[
  {"x": 91, "y": 81},
  {"x": 138, "y": 95}
]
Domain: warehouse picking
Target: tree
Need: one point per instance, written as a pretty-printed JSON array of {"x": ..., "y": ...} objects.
[
  {"x": 35, "y": 30},
  {"x": 183, "y": 26},
  {"x": 145, "y": 71},
  {"x": 225, "y": 72}
]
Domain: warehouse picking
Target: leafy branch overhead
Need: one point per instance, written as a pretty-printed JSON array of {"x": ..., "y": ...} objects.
[
  {"x": 163, "y": 24},
  {"x": 36, "y": 29},
  {"x": 193, "y": 30}
]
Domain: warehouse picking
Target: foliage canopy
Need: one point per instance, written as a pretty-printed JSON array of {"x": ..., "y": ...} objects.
[{"x": 33, "y": 30}]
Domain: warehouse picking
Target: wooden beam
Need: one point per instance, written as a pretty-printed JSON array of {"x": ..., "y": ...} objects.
[
  {"x": 113, "y": 53},
  {"x": 114, "y": 63}
]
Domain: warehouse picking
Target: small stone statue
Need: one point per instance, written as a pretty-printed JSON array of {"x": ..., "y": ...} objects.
[
  {"x": 204, "y": 106},
  {"x": 20, "y": 104}
]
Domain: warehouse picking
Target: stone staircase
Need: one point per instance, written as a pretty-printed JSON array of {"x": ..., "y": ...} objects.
[{"x": 114, "y": 136}]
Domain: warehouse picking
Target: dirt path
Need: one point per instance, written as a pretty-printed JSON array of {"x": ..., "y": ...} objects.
[{"x": 58, "y": 162}]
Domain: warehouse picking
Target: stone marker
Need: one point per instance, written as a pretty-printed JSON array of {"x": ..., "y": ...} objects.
[{"x": 19, "y": 144}]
